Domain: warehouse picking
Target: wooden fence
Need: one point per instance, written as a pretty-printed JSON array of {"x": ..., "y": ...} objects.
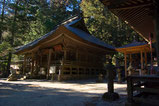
[{"x": 139, "y": 89}]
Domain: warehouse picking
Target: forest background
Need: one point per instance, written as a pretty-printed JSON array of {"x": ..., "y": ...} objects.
[{"x": 22, "y": 21}]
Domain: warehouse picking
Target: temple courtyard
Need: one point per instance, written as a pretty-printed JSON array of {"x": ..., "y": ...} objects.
[{"x": 48, "y": 93}]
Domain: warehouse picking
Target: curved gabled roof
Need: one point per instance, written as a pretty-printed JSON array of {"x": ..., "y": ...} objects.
[
  {"x": 134, "y": 44},
  {"x": 70, "y": 24}
]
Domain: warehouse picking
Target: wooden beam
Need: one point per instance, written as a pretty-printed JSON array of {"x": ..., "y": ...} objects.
[
  {"x": 147, "y": 90},
  {"x": 125, "y": 64},
  {"x": 134, "y": 48},
  {"x": 139, "y": 5},
  {"x": 138, "y": 18},
  {"x": 130, "y": 13},
  {"x": 116, "y": 2},
  {"x": 125, "y": 13},
  {"x": 49, "y": 60},
  {"x": 134, "y": 2},
  {"x": 105, "y": 2}
]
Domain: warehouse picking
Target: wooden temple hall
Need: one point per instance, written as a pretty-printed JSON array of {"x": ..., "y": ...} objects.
[{"x": 67, "y": 52}]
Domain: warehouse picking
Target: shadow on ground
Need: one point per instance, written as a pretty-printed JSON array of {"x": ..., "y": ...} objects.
[
  {"x": 66, "y": 93},
  {"x": 28, "y": 95}
]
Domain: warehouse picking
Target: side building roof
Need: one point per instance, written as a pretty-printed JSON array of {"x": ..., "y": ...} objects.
[
  {"x": 134, "y": 44},
  {"x": 134, "y": 47}
]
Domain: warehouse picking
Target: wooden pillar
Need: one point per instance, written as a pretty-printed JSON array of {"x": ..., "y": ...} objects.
[
  {"x": 36, "y": 63},
  {"x": 49, "y": 61},
  {"x": 24, "y": 64},
  {"x": 125, "y": 64},
  {"x": 142, "y": 66},
  {"x": 156, "y": 21},
  {"x": 32, "y": 67},
  {"x": 77, "y": 63},
  {"x": 30, "y": 63}
]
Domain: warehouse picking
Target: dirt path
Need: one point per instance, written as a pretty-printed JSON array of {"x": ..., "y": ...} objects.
[{"x": 47, "y": 93}]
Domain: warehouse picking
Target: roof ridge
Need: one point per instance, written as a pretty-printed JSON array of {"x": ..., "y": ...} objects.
[{"x": 70, "y": 19}]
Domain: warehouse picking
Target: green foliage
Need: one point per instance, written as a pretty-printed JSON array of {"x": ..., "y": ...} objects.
[
  {"x": 48, "y": 14},
  {"x": 5, "y": 47},
  {"x": 105, "y": 25}
]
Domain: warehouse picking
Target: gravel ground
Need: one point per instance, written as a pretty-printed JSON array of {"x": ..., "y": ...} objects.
[{"x": 47, "y": 93}]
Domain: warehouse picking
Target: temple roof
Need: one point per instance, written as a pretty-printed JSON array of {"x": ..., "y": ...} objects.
[{"x": 75, "y": 25}]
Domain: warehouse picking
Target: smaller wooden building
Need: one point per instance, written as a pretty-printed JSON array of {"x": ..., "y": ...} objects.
[
  {"x": 67, "y": 52},
  {"x": 135, "y": 47}
]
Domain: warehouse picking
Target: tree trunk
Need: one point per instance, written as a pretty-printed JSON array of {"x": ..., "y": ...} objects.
[
  {"x": 2, "y": 18},
  {"x": 8, "y": 64},
  {"x": 12, "y": 38}
]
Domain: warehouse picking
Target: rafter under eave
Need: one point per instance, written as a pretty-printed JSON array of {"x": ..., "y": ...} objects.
[{"x": 112, "y": 7}]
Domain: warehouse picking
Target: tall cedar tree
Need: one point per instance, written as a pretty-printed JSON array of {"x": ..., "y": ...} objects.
[
  {"x": 2, "y": 19},
  {"x": 18, "y": 22}
]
